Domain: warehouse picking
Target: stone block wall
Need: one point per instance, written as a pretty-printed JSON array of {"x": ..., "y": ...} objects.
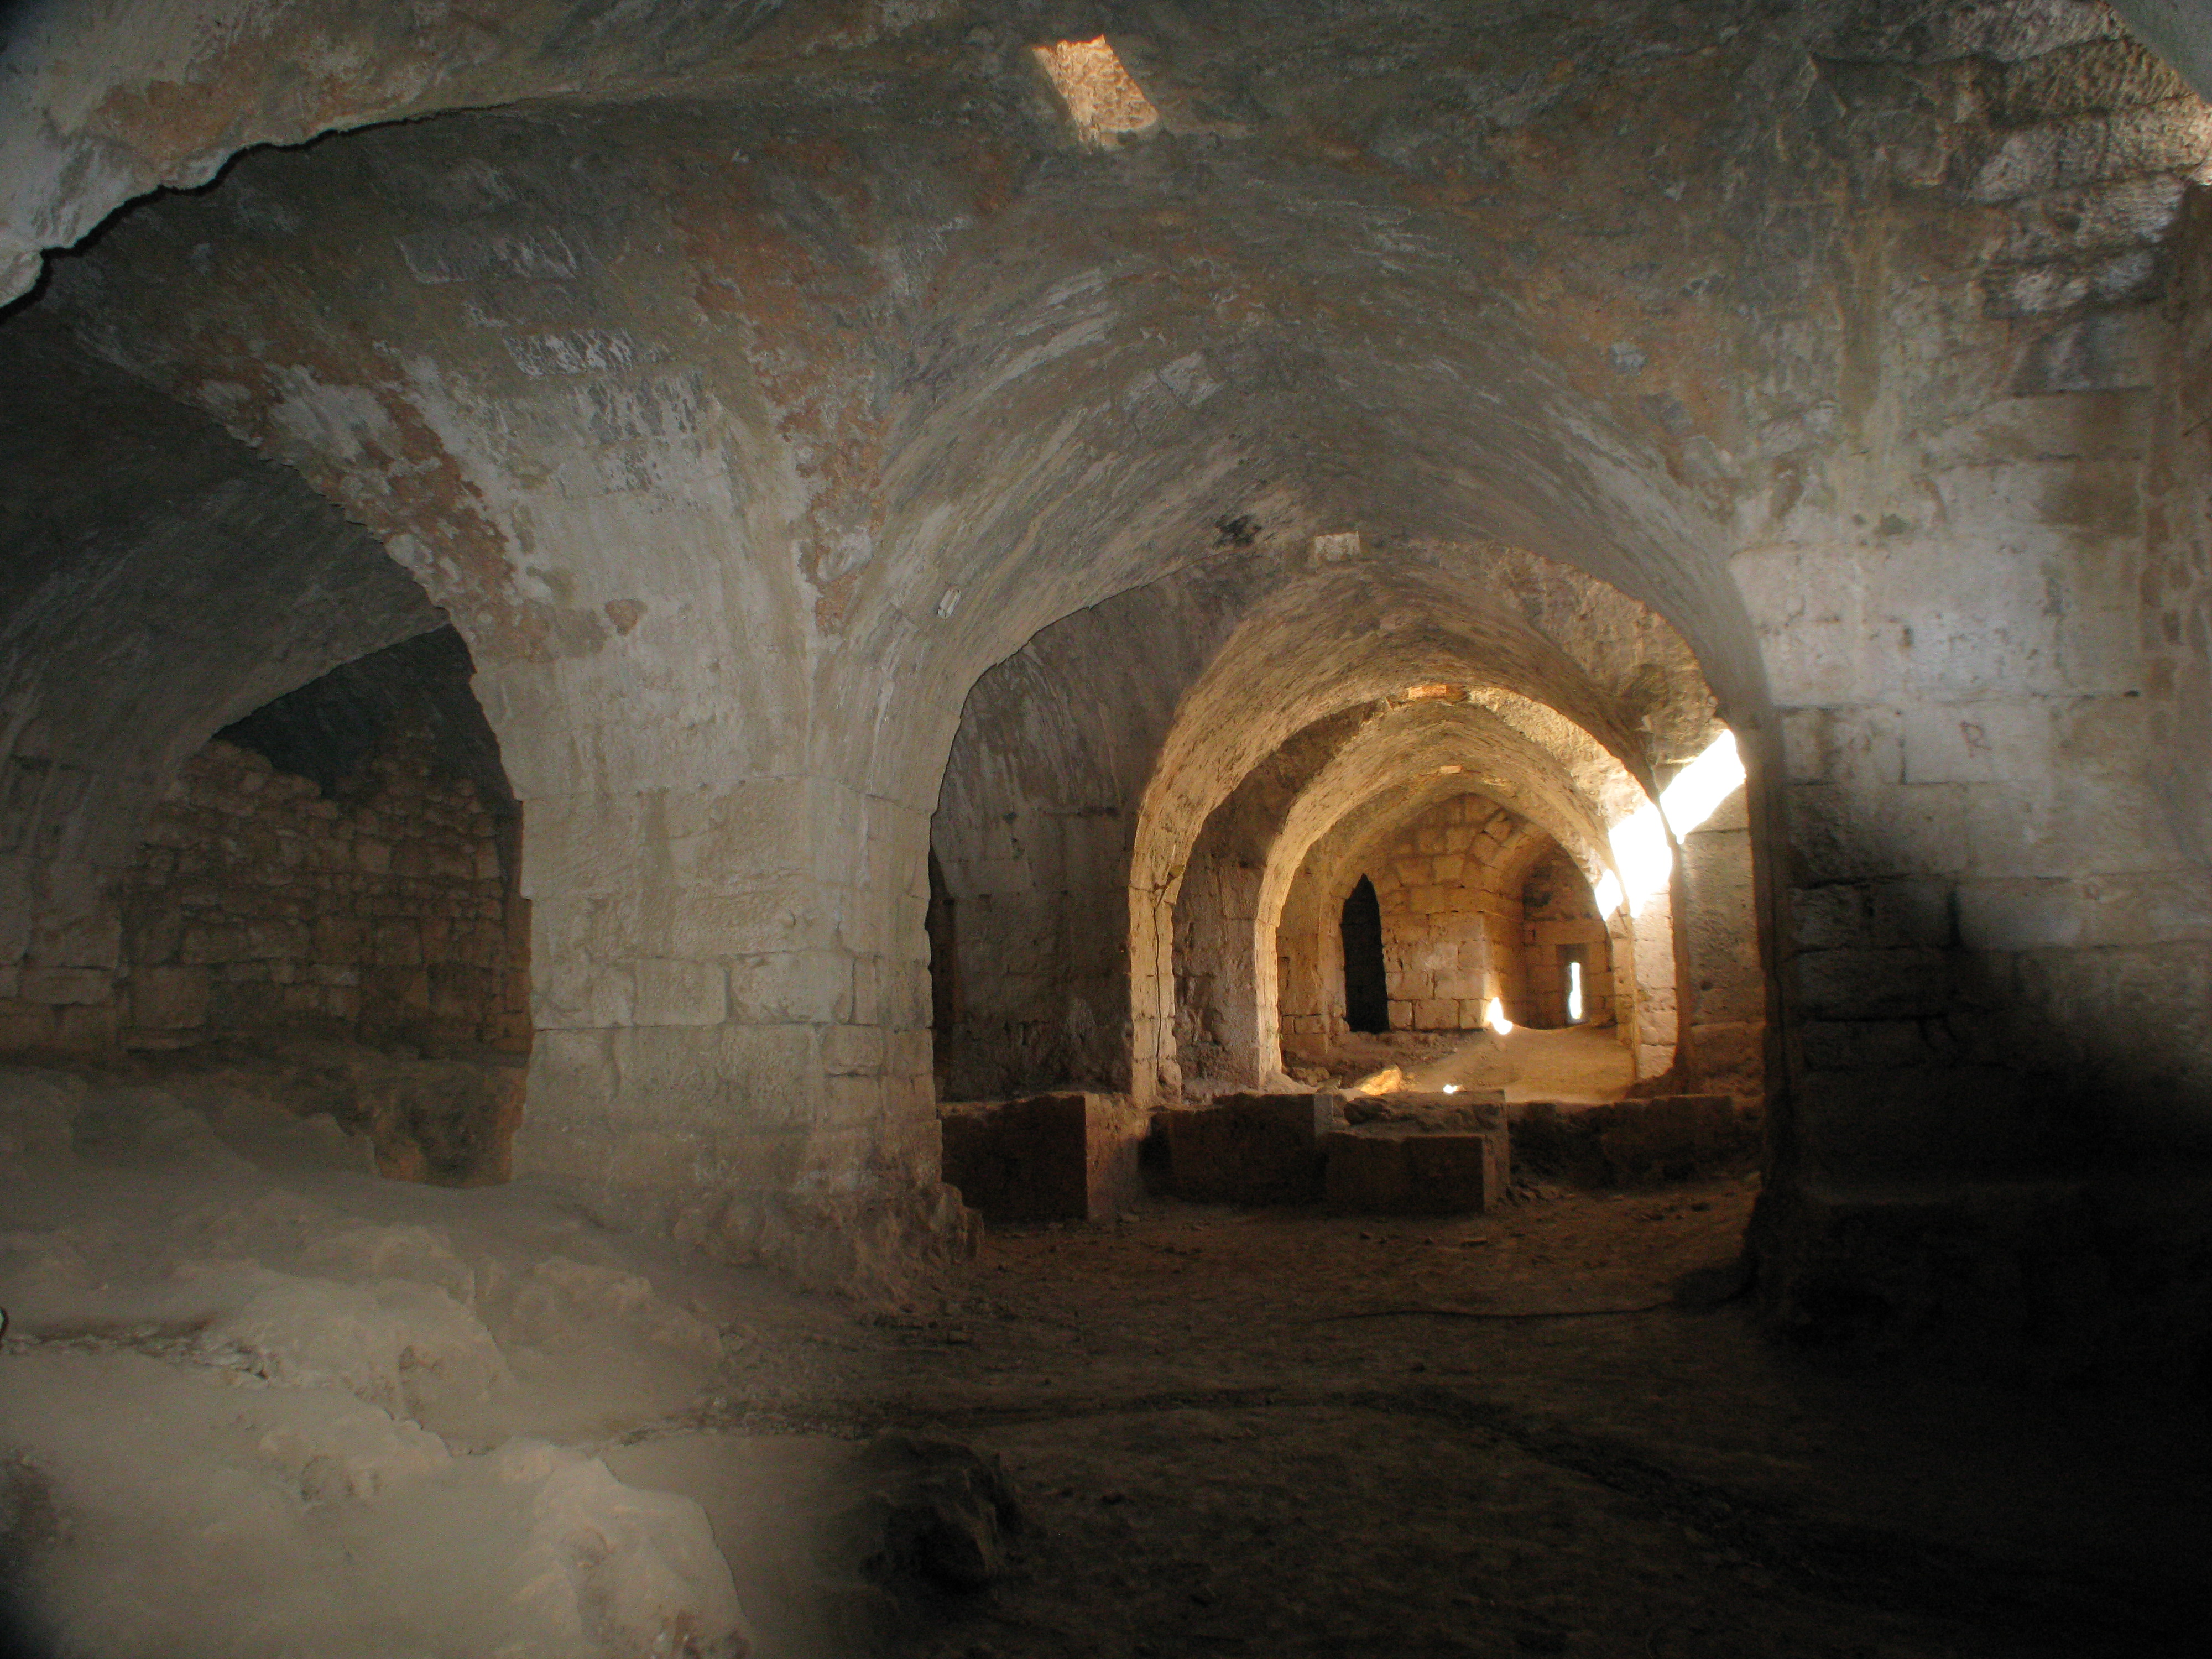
[
  {"x": 1726, "y": 1005},
  {"x": 1921, "y": 342},
  {"x": 385, "y": 914},
  {"x": 1559, "y": 925},
  {"x": 1214, "y": 915},
  {"x": 1038, "y": 952},
  {"x": 1996, "y": 936},
  {"x": 1451, "y": 926}
]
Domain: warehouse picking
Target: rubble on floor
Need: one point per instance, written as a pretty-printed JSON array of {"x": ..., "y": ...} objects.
[{"x": 258, "y": 1400}]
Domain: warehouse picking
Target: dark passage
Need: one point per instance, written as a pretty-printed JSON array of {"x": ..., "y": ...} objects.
[
  {"x": 1366, "y": 991},
  {"x": 943, "y": 959},
  {"x": 943, "y": 964}
]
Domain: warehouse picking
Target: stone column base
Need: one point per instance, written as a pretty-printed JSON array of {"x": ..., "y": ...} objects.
[{"x": 2097, "y": 1277}]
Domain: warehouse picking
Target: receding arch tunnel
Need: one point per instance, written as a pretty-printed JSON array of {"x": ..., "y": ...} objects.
[{"x": 1202, "y": 812}]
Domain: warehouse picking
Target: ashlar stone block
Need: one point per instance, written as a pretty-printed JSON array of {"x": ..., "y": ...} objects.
[
  {"x": 1407, "y": 1169},
  {"x": 66, "y": 986},
  {"x": 170, "y": 999},
  {"x": 677, "y": 992},
  {"x": 1048, "y": 1157},
  {"x": 1249, "y": 1148}
]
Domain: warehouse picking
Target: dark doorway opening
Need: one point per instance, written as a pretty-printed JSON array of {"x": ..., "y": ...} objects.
[
  {"x": 944, "y": 966},
  {"x": 1366, "y": 988}
]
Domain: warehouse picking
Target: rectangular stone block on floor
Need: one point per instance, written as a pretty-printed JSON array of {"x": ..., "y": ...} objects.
[
  {"x": 1401, "y": 1169},
  {"x": 1674, "y": 1137},
  {"x": 1048, "y": 1157},
  {"x": 1250, "y": 1149},
  {"x": 1640, "y": 1142}
]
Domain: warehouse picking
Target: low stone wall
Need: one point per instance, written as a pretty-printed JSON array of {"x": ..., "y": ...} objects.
[
  {"x": 383, "y": 914},
  {"x": 1638, "y": 1143}
]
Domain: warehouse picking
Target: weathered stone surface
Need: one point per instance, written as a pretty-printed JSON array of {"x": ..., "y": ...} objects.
[
  {"x": 1846, "y": 382},
  {"x": 1300, "y": 817},
  {"x": 1248, "y": 1149},
  {"x": 560, "y": 1299},
  {"x": 338, "y": 1448},
  {"x": 938, "y": 1518},
  {"x": 609, "y": 1568},
  {"x": 139, "y": 1127},
  {"x": 255, "y": 908},
  {"x": 2068, "y": 1280},
  {"x": 1464, "y": 1109},
  {"x": 1411, "y": 1168},
  {"x": 1637, "y": 1142},
  {"x": 38, "y": 1112},
  {"x": 381, "y": 1342},
  {"x": 1049, "y": 1157}
]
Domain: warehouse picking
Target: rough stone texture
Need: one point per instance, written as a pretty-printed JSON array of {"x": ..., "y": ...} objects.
[
  {"x": 1638, "y": 1143},
  {"x": 938, "y": 1518},
  {"x": 1043, "y": 833},
  {"x": 2177, "y": 30},
  {"x": 383, "y": 915},
  {"x": 2048, "y": 1281},
  {"x": 1859, "y": 351},
  {"x": 1248, "y": 1149},
  {"x": 1395, "y": 1169},
  {"x": 1560, "y": 926},
  {"x": 143, "y": 545},
  {"x": 1050, "y": 1158},
  {"x": 1462, "y": 1108},
  {"x": 1443, "y": 747},
  {"x": 294, "y": 1410},
  {"x": 351, "y": 946},
  {"x": 1457, "y": 930}
]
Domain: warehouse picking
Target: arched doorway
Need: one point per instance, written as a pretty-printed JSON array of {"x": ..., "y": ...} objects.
[{"x": 1366, "y": 981}]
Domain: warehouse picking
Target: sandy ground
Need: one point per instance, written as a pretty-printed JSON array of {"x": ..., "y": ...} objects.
[
  {"x": 271, "y": 1407},
  {"x": 256, "y": 1401},
  {"x": 1579, "y": 1065}
]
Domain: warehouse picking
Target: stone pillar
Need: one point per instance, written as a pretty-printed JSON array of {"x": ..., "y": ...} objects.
[
  {"x": 1651, "y": 957},
  {"x": 1727, "y": 1022},
  {"x": 729, "y": 956},
  {"x": 1155, "y": 1074},
  {"x": 732, "y": 1012}
]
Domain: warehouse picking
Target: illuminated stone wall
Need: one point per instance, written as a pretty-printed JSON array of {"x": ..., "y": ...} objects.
[{"x": 1559, "y": 925}]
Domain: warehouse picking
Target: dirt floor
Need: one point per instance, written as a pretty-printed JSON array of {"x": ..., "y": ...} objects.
[
  {"x": 1284, "y": 1433},
  {"x": 258, "y": 1403}
]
